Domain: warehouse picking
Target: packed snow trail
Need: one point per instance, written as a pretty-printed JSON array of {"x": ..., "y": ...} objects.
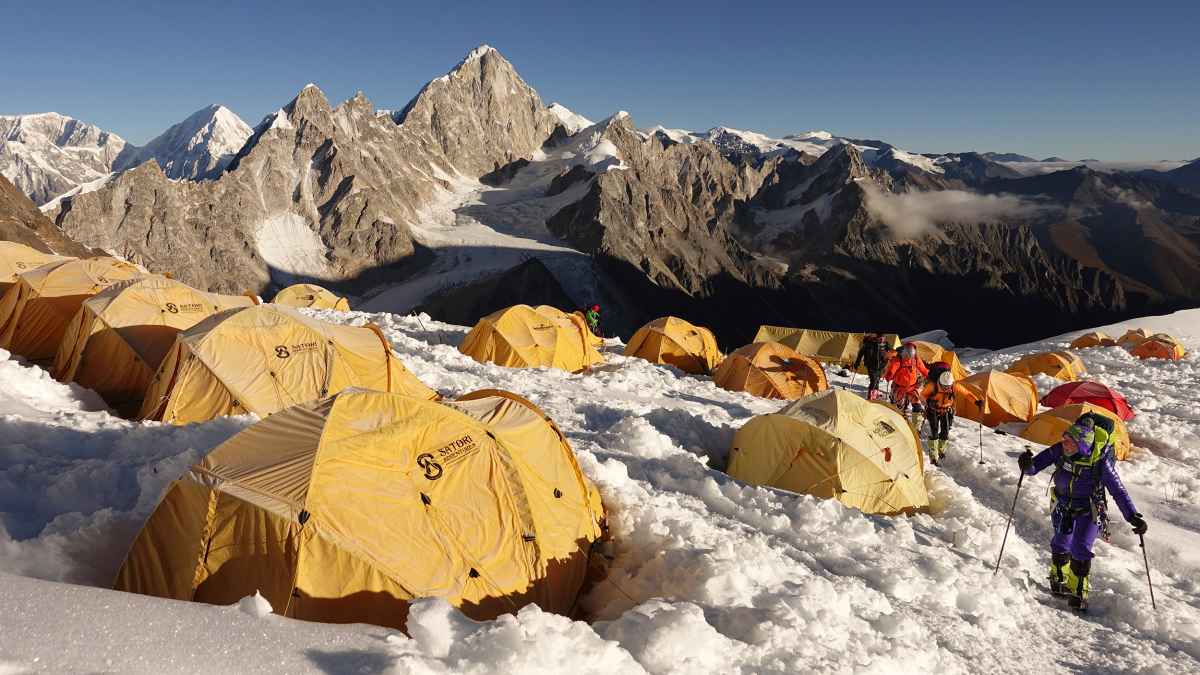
[{"x": 708, "y": 574}]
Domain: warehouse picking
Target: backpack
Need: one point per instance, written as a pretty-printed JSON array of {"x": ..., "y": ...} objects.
[{"x": 936, "y": 369}]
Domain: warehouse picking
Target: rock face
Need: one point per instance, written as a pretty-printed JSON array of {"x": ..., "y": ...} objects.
[
  {"x": 200, "y": 146},
  {"x": 319, "y": 192},
  {"x": 46, "y": 154},
  {"x": 22, "y": 222}
]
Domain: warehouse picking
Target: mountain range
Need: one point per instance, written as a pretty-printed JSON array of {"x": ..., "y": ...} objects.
[{"x": 476, "y": 195}]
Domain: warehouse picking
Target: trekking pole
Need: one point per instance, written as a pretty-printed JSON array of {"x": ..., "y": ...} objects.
[
  {"x": 979, "y": 404},
  {"x": 1146, "y": 559},
  {"x": 1009, "y": 524}
]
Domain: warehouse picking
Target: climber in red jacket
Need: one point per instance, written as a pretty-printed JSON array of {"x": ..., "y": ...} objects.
[{"x": 906, "y": 371}]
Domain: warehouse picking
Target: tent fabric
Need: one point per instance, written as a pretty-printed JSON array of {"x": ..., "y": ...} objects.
[
  {"x": 932, "y": 353},
  {"x": 770, "y": 370},
  {"x": 1094, "y": 339},
  {"x": 523, "y": 337},
  {"x": 36, "y": 310},
  {"x": 593, "y": 339},
  {"x": 993, "y": 398},
  {"x": 675, "y": 342},
  {"x": 826, "y": 346},
  {"x": 1131, "y": 338},
  {"x": 1047, "y": 428},
  {"x": 1063, "y": 366},
  {"x": 265, "y": 358},
  {"x": 1159, "y": 346},
  {"x": 1093, "y": 393},
  {"x": 835, "y": 445},
  {"x": 346, "y": 509},
  {"x": 311, "y": 296},
  {"x": 120, "y": 336},
  {"x": 17, "y": 259}
]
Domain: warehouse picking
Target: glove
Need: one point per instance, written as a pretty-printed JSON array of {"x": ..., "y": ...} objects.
[
  {"x": 1138, "y": 523},
  {"x": 1025, "y": 462}
]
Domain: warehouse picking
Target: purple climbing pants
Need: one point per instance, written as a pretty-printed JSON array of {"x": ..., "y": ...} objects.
[{"x": 1079, "y": 536}]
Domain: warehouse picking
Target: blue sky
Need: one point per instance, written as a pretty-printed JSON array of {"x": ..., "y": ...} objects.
[{"x": 1116, "y": 81}]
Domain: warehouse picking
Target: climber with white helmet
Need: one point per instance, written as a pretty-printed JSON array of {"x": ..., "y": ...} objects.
[{"x": 938, "y": 394}]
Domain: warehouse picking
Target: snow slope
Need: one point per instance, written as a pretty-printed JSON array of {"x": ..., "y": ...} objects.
[{"x": 707, "y": 574}]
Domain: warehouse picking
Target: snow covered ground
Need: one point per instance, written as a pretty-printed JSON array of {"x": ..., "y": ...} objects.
[{"x": 707, "y": 575}]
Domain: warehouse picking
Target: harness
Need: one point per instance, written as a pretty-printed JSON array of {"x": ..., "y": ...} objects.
[{"x": 1077, "y": 467}]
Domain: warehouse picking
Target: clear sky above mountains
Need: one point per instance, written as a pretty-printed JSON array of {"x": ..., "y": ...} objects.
[{"x": 1115, "y": 81}]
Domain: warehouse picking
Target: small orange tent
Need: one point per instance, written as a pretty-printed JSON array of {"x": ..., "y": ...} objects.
[
  {"x": 1131, "y": 338},
  {"x": 1093, "y": 339},
  {"x": 1159, "y": 346},
  {"x": 311, "y": 296},
  {"x": 993, "y": 398},
  {"x": 676, "y": 342},
  {"x": 770, "y": 370},
  {"x": 1064, "y": 366}
]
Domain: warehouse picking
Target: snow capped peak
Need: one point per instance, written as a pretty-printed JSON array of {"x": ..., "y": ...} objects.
[
  {"x": 570, "y": 120},
  {"x": 479, "y": 52},
  {"x": 818, "y": 135},
  {"x": 310, "y": 85},
  {"x": 46, "y": 154},
  {"x": 199, "y": 146}
]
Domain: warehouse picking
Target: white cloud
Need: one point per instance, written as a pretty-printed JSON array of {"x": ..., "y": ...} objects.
[{"x": 911, "y": 214}]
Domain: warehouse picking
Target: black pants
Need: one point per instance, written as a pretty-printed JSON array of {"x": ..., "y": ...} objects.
[
  {"x": 939, "y": 423},
  {"x": 874, "y": 374}
]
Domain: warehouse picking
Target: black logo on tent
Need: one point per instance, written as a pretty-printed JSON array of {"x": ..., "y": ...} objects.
[
  {"x": 20, "y": 265},
  {"x": 282, "y": 352},
  {"x": 172, "y": 308},
  {"x": 432, "y": 469}
]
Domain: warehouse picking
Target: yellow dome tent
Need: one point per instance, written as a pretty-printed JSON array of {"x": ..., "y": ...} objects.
[
  {"x": 932, "y": 353},
  {"x": 826, "y": 346},
  {"x": 311, "y": 296},
  {"x": 1047, "y": 428},
  {"x": 1063, "y": 366},
  {"x": 676, "y": 342},
  {"x": 16, "y": 259},
  {"x": 770, "y": 370},
  {"x": 1159, "y": 346},
  {"x": 594, "y": 341},
  {"x": 1131, "y": 338},
  {"x": 523, "y": 337},
  {"x": 346, "y": 509},
  {"x": 1005, "y": 398},
  {"x": 36, "y": 310},
  {"x": 265, "y": 358},
  {"x": 119, "y": 336},
  {"x": 835, "y": 445},
  {"x": 1094, "y": 339}
]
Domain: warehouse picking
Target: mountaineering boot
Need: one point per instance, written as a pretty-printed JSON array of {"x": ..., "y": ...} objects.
[
  {"x": 1079, "y": 592},
  {"x": 1058, "y": 573},
  {"x": 942, "y": 449}
]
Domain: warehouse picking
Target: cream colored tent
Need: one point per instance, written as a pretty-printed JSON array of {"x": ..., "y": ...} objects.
[
  {"x": 119, "y": 336},
  {"x": 18, "y": 259},
  {"x": 346, "y": 509},
  {"x": 1131, "y": 338},
  {"x": 932, "y": 353},
  {"x": 312, "y": 296},
  {"x": 1004, "y": 398},
  {"x": 826, "y": 346},
  {"x": 523, "y": 337},
  {"x": 35, "y": 311},
  {"x": 1063, "y": 366},
  {"x": 835, "y": 445},
  {"x": 770, "y": 370},
  {"x": 265, "y": 358},
  {"x": 1093, "y": 339},
  {"x": 1159, "y": 346},
  {"x": 1047, "y": 428},
  {"x": 676, "y": 342}
]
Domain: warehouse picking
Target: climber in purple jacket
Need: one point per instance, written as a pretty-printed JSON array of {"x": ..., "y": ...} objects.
[{"x": 1085, "y": 470}]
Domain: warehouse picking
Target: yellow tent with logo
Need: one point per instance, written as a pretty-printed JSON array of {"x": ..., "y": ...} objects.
[
  {"x": 594, "y": 341},
  {"x": 18, "y": 259},
  {"x": 932, "y": 353},
  {"x": 1131, "y": 338},
  {"x": 827, "y": 346},
  {"x": 1159, "y": 346},
  {"x": 1093, "y": 339},
  {"x": 346, "y": 509},
  {"x": 1063, "y": 366},
  {"x": 1047, "y": 428},
  {"x": 993, "y": 398},
  {"x": 35, "y": 311},
  {"x": 311, "y": 296},
  {"x": 523, "y": 337},
  {"x": 119, "y": 336},
  {"x": 265, "y": 358},
  {"x": 675, "y": 342},
  {"x": 835, "y": 445},
  {"x": 770, "y": 370}
]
